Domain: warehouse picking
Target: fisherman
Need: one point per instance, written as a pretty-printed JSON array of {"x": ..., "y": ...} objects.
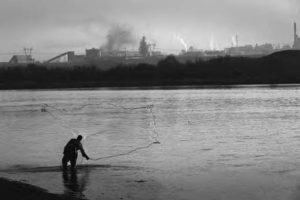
[{"x": 70, "y": 152}]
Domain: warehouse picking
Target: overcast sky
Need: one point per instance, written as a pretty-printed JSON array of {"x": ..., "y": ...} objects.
[{"x": 57, "y": 26}]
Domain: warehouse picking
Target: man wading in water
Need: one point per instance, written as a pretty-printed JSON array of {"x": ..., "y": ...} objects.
[{"x": 70, "y": 152}]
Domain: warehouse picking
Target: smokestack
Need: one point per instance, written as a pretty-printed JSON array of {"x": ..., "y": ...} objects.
[
  {"x": 295, "y": 31},
  {"x": 295, "y": 36}
]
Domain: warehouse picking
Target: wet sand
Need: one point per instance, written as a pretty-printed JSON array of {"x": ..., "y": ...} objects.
[
  {"x": 14, "y": 190},
  {"x": 87, "y": 182}
]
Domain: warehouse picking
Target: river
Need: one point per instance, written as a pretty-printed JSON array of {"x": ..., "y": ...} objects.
[{"x": 197, "y": 143}]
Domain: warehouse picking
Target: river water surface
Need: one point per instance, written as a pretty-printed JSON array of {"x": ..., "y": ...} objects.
[{"x": 221, "y": 143}]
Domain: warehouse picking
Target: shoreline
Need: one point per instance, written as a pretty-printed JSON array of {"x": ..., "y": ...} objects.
[
  {"x": 140, "y": 184},
  {"x": 17, "y": 190},
  {"x": 120, "y": 86}
]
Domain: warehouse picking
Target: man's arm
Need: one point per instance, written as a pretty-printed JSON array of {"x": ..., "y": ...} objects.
[{"x": 83, "y": 152}]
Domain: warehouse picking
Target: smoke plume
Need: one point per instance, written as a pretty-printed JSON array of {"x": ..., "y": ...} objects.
[
  {"x": 182, "y": 42},
  {"x": 119, "y": 37},
  {"x": 234, "y": 40}
]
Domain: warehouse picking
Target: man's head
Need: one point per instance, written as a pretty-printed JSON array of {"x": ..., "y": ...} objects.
[{"x": 79, "y": 137}]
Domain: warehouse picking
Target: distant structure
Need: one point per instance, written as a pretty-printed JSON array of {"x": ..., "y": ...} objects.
[
  {"x": 296, "y": 44},
  {"x": 250, "y": 50},
  {"x": 115, "y": 52},
  {"x": 67, "y": 57},
  {"x": 92, "y": 54},
  {"x": 192, "y": 53},
  {"x": 144, "y": 47},
  {"x": 23, "y": 59}
]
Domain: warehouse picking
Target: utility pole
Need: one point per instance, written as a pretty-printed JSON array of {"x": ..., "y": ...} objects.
[
  {"x": 28, "y": 55},
  {"x": 28, "y": 52}
]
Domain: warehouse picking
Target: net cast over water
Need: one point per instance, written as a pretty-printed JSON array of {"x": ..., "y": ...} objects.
[{"x": 56, "y": 114}]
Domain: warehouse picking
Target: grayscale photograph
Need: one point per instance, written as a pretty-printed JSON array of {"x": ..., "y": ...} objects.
[{"x": 150, "y": 100}]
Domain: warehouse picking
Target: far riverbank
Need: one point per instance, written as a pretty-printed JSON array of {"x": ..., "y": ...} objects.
[{"x": 278, "y": 68}]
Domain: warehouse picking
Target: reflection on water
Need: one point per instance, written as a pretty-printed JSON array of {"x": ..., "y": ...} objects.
[{"x": 74, "y": 183}]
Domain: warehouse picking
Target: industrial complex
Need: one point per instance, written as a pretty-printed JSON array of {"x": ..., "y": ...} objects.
[{"x": 146, "y": 53}]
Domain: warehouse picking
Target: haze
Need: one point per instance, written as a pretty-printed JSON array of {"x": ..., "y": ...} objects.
[{"x": 52, "y": 27}]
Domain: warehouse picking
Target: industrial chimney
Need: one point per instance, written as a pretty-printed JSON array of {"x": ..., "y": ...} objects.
[
  {"x": 295, "y": 32},
  {"x": 296, "y": 44}
]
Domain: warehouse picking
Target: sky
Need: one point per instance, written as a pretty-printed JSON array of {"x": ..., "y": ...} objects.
[{"x": 53, "y": 27}]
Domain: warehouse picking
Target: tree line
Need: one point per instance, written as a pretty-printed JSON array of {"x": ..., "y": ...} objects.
[{"x": 278, "y": 68}]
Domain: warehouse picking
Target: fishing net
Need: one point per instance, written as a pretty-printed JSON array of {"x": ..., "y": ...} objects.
[{"x": 120, "y": 118}]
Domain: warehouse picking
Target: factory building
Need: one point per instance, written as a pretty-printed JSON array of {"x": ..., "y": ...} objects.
[
  {"x": 21, "y": 59},
  {"x": 296, "y": 44},
  {"x": 92, "y": 54}
]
